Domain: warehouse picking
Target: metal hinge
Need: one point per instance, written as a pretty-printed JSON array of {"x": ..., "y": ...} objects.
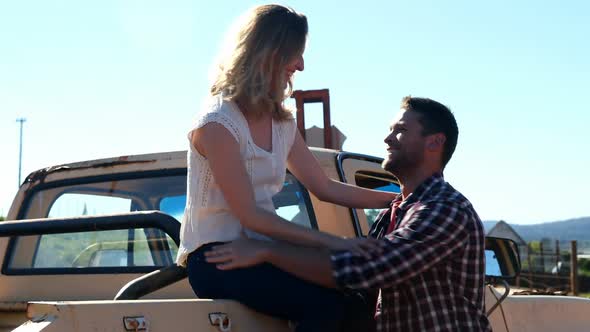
[
  {"x": 221, "y": 320},
  {"x": 137, "y": 323}
]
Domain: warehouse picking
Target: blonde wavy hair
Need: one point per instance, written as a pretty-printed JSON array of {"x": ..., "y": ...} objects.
[{"x": 251, "y": 67}]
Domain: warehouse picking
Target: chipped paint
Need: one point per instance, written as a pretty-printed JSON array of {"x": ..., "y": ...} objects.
[
  {"x": 13, "y": 306},
  {"x": 40, "y": 175}
]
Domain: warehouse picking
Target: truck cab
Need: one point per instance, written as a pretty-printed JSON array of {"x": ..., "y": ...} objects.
[{"x": 94, "y": 263}]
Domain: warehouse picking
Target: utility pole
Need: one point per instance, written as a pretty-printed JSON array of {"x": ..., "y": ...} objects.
[{"x": 20, "y": 148}]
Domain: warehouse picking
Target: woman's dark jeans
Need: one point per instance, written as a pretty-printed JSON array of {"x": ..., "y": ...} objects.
[{"x": 269, "y": 290}]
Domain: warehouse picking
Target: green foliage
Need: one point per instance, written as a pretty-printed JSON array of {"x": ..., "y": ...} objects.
[
  {"x": 371, "y": 215},
  {"x": 584, "y": 266},
  {"x": 535, "y": 246},
  {"x": 2, "y": 218}
]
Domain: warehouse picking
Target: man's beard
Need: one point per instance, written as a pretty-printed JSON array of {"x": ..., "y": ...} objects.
[{"x": 401, "y": 163}]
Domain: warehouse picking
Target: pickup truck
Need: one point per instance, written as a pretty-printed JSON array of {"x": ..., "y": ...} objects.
[{"x": 90, "y": 246}]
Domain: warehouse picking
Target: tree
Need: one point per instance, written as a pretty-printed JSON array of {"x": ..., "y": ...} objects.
[
  {"x": 2, "y": 218},
  {"x": 372, "y": 215}
]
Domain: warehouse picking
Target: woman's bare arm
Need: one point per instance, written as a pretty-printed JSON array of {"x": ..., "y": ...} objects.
[{"x": 306, "y": 169}]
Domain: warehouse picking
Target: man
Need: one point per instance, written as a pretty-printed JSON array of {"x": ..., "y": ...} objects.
[{"x": 428, "y": 262}]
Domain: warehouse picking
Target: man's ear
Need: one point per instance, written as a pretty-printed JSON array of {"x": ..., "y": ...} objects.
[{"x": 436, "y": 142}]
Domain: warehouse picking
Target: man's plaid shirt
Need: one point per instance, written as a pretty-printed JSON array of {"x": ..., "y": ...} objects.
[{"x": 431, "y": 270}]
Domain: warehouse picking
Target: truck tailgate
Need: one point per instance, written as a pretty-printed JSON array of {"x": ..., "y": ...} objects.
[{"x": 201, "y": 315}]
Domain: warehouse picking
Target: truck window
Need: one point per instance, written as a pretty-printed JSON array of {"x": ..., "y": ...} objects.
[
  {"x": 72, "y": 205},
  {"x": 123, "y": 249},
  {"x": 173, "y": 206},
  {"x": 365, "y": 171},
  {"x": 98, "y": 249},
  {"x": 290, "y": 203},
  {"x": 119, "y": 193},
  {"x": 377, "y": 181}
]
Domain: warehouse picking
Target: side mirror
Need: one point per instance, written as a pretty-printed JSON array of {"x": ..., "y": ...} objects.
[{"x": 502, "y": 258}]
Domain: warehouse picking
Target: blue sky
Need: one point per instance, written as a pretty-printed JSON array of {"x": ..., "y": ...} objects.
[{"x": 109, "y": 78}]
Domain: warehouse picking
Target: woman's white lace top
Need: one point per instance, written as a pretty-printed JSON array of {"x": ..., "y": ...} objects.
[{"x": 207, "y": 217}]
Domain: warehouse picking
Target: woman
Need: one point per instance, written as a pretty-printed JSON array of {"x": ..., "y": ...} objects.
[{"x": 240, "y": 147}]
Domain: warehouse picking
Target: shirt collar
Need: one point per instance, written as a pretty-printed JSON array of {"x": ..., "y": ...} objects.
[{"x": 421, "y": 190}]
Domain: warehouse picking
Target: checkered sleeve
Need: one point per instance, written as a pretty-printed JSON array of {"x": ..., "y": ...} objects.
[{"x": 428, "y": 233}]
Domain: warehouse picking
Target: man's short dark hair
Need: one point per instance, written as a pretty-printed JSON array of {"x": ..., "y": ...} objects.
[{"x": 435, "y": 118}]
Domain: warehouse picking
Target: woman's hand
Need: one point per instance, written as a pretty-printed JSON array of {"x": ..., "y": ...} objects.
[{"x": 391, "y": 196}]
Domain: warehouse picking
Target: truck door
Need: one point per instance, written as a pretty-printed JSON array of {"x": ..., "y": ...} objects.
[{"x": 365, "y": 171}]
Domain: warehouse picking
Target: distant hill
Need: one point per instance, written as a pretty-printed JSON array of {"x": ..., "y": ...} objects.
[{"x": 565, "y": 230}]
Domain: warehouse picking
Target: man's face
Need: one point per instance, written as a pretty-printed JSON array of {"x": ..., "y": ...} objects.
[{"x": 405, "y": 144}]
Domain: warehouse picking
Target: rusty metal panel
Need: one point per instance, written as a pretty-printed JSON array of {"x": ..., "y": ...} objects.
[{"x": 314, "y": 96}]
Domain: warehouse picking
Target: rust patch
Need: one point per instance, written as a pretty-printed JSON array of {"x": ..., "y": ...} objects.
[
  {"x": 41, "y": 174},
  {"x": 13, "y": 306},
  {"x": 121, "y": 161}
]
